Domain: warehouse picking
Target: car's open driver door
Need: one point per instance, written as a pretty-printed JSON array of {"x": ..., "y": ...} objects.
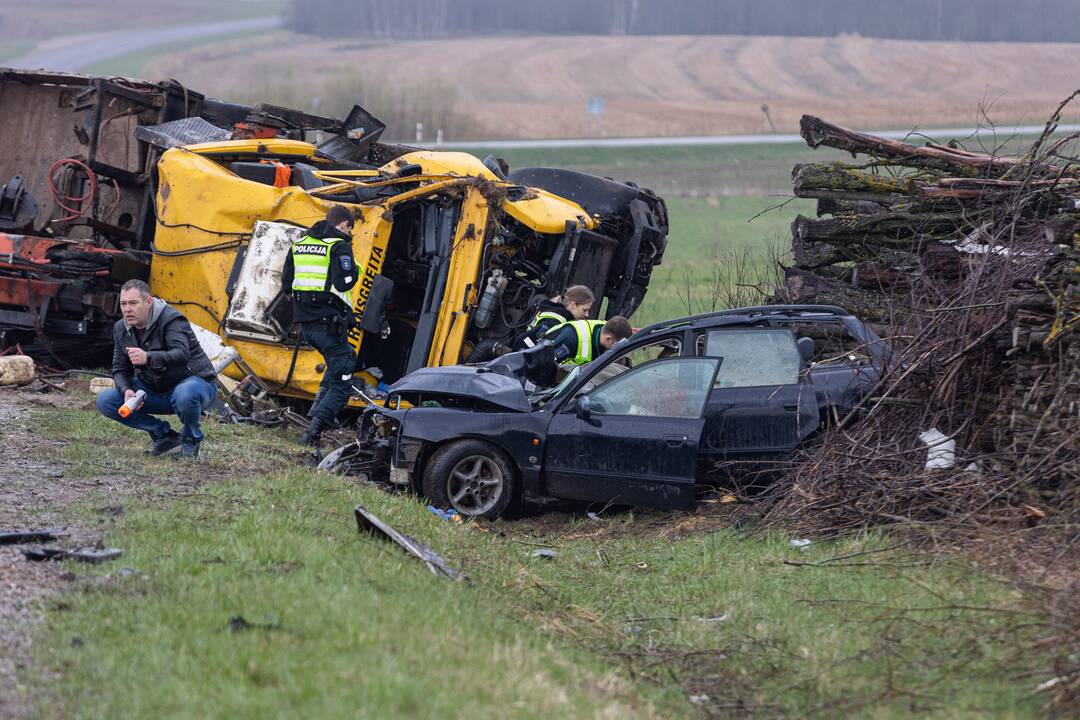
[{"x": 634, "y": 440}]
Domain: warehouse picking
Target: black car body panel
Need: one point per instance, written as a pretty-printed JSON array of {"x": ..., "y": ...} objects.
[
  {"x": 477, "y": 383},
  {"x": 645, "y": 423}
]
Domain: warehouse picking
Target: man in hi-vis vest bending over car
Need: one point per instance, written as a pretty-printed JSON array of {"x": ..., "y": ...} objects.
[
  {"x": 581, "y": 341},
  {"x": 319, "y": 273}
]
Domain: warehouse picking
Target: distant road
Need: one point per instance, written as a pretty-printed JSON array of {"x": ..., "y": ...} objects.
[
  {"x": 1002, "y": 132},
  {"x": 78, "y": 52}
]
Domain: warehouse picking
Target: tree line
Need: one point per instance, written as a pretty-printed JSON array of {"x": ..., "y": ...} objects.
[{"x": 974, "y": 20}]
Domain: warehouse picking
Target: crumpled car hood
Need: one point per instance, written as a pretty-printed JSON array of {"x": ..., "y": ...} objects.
[{"x": 465, "y": 381}]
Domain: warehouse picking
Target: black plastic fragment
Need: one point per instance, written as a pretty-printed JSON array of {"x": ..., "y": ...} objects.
[
  {"x": 15, "y": 537},
  {"x": 88, "y": 555},
  {"x": 367, "y": 522}
]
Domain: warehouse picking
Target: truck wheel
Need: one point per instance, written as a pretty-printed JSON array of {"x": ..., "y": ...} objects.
[{"x": 472, "y": 477}]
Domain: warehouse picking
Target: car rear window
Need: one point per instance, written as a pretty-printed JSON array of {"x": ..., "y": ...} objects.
[{"x": 754, "y": 357}]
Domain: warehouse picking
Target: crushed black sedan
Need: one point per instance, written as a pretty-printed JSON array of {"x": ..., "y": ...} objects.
[{"x": 646, "y": 424}]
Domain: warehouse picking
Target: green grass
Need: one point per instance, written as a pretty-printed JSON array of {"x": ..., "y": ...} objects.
[
  {"x": 714, "y": 244},
  {"x": 56, "y": 19},
  {"x": 708, "y": 170},
  {"x": 14, "y": 48},
  {"x": 681, "y": 171},
  {"x": 135, "y": 64},
  {"x": 622, "y": 623}
]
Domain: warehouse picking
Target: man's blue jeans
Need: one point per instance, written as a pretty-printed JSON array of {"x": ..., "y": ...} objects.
[{"x": 187, "y": 401}]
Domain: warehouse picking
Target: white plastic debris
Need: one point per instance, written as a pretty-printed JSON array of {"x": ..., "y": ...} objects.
[
  {"x": 801, "y": 543},
  {"x": 699, "y": 699},
  {"x": 211, "y": 343},
  {"x": 941, "y": 450},
  {"x": 718, "y": 618}
]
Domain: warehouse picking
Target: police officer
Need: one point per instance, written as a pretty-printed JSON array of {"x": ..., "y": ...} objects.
[
  {"x": 581, "y": 341},
  {"x": 319, "y": 273},
  {"x": 574, "y": 304}
]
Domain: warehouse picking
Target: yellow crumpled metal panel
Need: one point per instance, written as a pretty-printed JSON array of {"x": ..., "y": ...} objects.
[
  {"x": 540, "y": 210},
  {"x": 201, "y": 204},
  {"x": 206, "y": 212}
]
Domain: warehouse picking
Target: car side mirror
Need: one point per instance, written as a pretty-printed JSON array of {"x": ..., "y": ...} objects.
[{"x": 584, "y": 407}]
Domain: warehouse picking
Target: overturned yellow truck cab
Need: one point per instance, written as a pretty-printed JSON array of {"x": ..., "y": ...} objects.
[{"x": 455, "y": 252}]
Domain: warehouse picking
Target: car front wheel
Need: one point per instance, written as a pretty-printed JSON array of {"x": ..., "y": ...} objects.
[{"x": 472, "y": 477}]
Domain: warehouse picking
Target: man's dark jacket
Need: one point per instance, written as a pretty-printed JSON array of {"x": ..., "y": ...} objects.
[
  {"x": 174, "y": 352},
  {"x": 309, "y": 306}
]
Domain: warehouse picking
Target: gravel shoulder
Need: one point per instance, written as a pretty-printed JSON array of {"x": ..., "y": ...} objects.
[
  {"x": 31, "y": 495},
  {"x": 58, "y": 470}
]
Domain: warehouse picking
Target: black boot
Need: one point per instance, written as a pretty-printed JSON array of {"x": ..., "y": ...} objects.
[
  {"x": 313, "y": 433},
  {"x": 189, "y": 452},
  {"x": 315, "y": 402},
  {"x": 165, "y": 445}
]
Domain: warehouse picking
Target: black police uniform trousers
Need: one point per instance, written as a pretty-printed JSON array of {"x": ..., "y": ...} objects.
[{"x": 330, "y": 338}]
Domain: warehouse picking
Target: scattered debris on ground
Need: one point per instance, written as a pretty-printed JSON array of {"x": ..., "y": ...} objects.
[
  {"x": 238, "y": 623},
  {"x": 15, "y": 537},
  {"x": 367, "y": 522},
  {"x": 83, "y": 554}
]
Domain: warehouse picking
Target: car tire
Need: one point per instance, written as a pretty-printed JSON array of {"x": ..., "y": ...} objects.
[{"x": 473, "y": 477}]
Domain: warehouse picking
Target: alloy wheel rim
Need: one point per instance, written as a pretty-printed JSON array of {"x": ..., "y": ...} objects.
[{"x": 475, "y": 484}]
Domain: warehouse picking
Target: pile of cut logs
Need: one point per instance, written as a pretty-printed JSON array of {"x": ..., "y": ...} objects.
[
  {"x": 908, "y": 215},
  {"x": 969, "y": 263}
]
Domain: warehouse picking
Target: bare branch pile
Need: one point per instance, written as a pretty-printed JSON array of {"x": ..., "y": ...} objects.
[{"x": 969, "y": 263}]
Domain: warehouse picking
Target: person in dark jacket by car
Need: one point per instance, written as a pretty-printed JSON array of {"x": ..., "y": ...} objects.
[
  {"x": 581, "y": 341},
  {"x": 574, "y": 304},
  {"x": 156, "y": 351},
  {"x": 319, "y": 273}
]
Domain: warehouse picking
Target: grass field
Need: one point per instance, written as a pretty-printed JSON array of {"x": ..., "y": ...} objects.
[
  {"x": 638, "y": 615},
  {"x": 525, "y": 87},
  {"x": 135, "y": 64},
  {"x": 13, "y": 48},
  {"x": 715, "y": 244},
  {"x": 685, "y": 171},
  {"x": 29, "y": 22}
]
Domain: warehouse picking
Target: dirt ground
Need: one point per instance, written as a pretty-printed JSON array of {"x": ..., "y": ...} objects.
[
  {"x": 662, "y": 85},
  {"x": 31, "y": 495},
  {"x": 552, "y": 527},
  {"x": 37, "y": 492}
]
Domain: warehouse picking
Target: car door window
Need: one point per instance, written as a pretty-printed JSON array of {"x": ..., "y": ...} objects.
[
  {"x": 834, "y": 344},
  {"x": 673, "y": 388},
  {"x": 664, "y": 348},
  {"x": 659, "y": 350},
  {"x": 754, "y": 357}
]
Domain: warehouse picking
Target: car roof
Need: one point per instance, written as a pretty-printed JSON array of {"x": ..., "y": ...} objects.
[{"x": 749, "y": 315}]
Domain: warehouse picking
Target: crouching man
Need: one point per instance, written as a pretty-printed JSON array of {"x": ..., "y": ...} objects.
[{"x": 155, "y": 351}]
